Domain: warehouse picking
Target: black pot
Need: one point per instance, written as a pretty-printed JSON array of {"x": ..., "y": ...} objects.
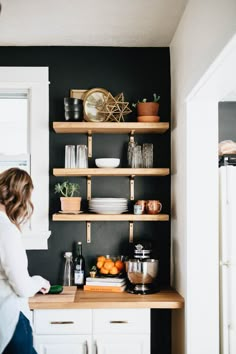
[
  {"x": 73, "y": 111},
  {"x": 74, "y": 115},
  {"x": 70, "y": 101}
]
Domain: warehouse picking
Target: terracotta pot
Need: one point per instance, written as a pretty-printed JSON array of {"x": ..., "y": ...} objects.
[
  {"x": 70, "y": 203},
  {"x": 147, "y": 108},
  {"x": 149, "y": 119}
]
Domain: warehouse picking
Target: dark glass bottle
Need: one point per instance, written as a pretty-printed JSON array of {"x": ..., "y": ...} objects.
[{"x": 79, "y": 267}]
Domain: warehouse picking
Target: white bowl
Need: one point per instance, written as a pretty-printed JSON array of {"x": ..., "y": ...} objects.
[{"x": 107, "y": 163}]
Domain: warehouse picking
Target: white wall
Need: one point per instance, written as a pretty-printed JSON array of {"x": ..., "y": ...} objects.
[{"x": 205, "y": 28}]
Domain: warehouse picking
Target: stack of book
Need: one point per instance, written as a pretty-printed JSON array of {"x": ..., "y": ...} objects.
[{"x": 105, "y": 284}]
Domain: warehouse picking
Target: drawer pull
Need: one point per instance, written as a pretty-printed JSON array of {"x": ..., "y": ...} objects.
[
  {"x": 118, "y": 322},
  {"x": 61, "y": 322},
  {"x": 86, "y": 347},
  {"x": 96, "y": 347}
]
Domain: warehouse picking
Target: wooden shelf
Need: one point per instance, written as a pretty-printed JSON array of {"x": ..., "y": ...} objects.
[
  {"x": 90, "y": 172},
  {"x": 108, "y": 217},
  {"x": 110, "y": 128}
]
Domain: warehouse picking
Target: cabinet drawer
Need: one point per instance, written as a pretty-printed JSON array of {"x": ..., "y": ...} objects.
[
  {"x": 121, "y": 321},
  {"x": 63, "y": 321}
]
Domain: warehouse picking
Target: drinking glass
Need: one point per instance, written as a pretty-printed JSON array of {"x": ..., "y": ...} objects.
[
  {"x": 70, "y": 156},
  {"x": 81, "y": 156},
  {"x": 148, "y": 155},
  {"x": 130, "y": 153},
  {"x": 137, "y": 161}
]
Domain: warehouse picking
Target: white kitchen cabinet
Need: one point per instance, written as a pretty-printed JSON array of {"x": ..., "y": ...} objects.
[
  {"x": 125, "y": 344},
  {"x": 63, "y": 344},
  {"x": 63, "y": 331},
  {"x": 62, "y": 321},
  {"x": 125, "y": 331},
  {"x": 97, "y": 331}
]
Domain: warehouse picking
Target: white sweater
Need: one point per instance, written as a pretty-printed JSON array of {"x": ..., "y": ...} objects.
[{"x": 16, "y": 285}]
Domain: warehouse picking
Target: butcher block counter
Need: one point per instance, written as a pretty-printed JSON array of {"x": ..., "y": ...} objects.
[{"x": 72, "y": 298}]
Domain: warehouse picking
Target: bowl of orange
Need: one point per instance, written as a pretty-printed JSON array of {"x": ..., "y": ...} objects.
[{"x": 110, "y": 265}]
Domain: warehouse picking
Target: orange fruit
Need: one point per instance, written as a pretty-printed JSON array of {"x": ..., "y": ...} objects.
[
  {"x": 101, "y": 258},
  {"x": 99, "y": 264},
  {"x": 104, "y": 270},
  {"x": 119, "y": 264},
  {"x": 114, "y": 270},
  {"x": 108, "y": 264}
]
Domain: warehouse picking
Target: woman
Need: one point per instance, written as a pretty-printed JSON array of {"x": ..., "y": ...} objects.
[{"x": 16, "y": 285}]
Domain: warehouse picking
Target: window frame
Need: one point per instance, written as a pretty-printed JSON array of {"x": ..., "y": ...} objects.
[{"x": 35, "y": 80}]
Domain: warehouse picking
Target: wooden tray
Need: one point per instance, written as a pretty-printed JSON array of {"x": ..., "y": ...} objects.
[{"x": 67, "y": 295}]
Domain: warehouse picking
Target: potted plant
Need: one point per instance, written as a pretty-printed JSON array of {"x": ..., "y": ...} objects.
[
  {"x": 69, "y": 201},
  {"x": 148, "y": 108}
]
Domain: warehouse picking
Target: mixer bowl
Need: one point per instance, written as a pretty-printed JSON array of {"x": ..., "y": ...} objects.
[{"x": 142, "y": 271}]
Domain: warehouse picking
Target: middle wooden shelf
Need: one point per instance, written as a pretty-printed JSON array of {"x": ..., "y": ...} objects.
[
  {"x": 115, "y": 172},
  {"x": 89, "y": 172}
]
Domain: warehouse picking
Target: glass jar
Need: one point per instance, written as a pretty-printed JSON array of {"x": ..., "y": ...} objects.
[{"x": 68, "y": 270}]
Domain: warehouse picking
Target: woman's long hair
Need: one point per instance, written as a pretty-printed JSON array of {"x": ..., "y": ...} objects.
[{"x": 15, "y": 194}]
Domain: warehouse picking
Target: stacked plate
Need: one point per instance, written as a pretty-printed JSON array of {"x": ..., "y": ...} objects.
[{"x": 108, "y": 205}]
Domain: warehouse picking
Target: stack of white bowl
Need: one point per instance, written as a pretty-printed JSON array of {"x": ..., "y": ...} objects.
[{"x": 108, "y": 205}]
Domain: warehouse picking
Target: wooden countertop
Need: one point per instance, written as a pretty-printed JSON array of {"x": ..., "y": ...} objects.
[{"x": 71, "y": 298}]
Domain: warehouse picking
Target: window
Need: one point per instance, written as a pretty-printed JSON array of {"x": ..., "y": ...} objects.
[
  {"x": 24, "y": 139},
  {"x": 14, "y": 121}
]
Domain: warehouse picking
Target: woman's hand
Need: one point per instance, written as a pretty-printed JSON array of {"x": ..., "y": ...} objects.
[{"x": 45, "y": 289}]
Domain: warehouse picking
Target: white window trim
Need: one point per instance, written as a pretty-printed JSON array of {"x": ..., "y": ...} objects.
[{"x": 35, "y": 79}]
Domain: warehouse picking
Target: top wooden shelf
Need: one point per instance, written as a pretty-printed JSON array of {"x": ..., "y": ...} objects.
[{"x": 110, "y": 127}]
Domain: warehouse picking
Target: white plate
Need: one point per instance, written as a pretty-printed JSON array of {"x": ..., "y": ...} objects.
[
  {"x": 108, "y": 205},
  {"x": 109, "y": 212},
  {"x": 115, "y": 200},
  {"x": 70, "y": 212},
  {"x": 115, "y": 211}
]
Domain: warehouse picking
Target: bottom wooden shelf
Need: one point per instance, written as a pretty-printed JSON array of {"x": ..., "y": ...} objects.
[{"x": 108, "y": 217}]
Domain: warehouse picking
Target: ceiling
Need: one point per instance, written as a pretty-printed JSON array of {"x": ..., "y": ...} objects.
[{"x": 129, "y": 23}]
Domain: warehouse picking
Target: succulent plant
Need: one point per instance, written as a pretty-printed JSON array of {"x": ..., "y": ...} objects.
[
  {"x": 67, "y": 189},
  {"x": 155, "y": 99}
]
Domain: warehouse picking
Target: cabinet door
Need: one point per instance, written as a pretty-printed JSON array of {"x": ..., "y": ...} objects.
[
  {"x": 125, "y": 344},
  {"x": 62, "y": 344}
]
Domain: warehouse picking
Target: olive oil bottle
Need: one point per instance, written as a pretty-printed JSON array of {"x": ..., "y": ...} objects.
[{"x": 79, "y": 267}]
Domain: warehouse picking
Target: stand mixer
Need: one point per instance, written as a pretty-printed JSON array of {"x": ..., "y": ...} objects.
[{"x": 142, "y": 270}]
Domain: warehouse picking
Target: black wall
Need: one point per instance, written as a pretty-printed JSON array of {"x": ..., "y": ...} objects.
[{"x": 137, "y": 72}]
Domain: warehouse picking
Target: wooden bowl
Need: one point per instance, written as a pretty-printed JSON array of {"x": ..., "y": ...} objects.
[{"x": 148, "y": 119}]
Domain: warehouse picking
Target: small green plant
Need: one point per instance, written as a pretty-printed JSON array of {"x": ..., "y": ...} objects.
[
  {"x": 155, "y": 99},
  {"x": 67, "y": 189}
]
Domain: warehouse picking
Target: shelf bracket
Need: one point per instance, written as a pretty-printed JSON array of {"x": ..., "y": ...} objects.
[
  {"x": 131, "y": 136},
  {"x": 90, "y": 145},
  {"x": 88, "y": 226},
  {"x": 89, "y": 188},
  {"x": 131, "y": 188},
  {"x": 131, "y": 232}
]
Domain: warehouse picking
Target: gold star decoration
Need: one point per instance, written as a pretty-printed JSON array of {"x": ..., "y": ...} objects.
[{"x": 114, "y": 108}]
